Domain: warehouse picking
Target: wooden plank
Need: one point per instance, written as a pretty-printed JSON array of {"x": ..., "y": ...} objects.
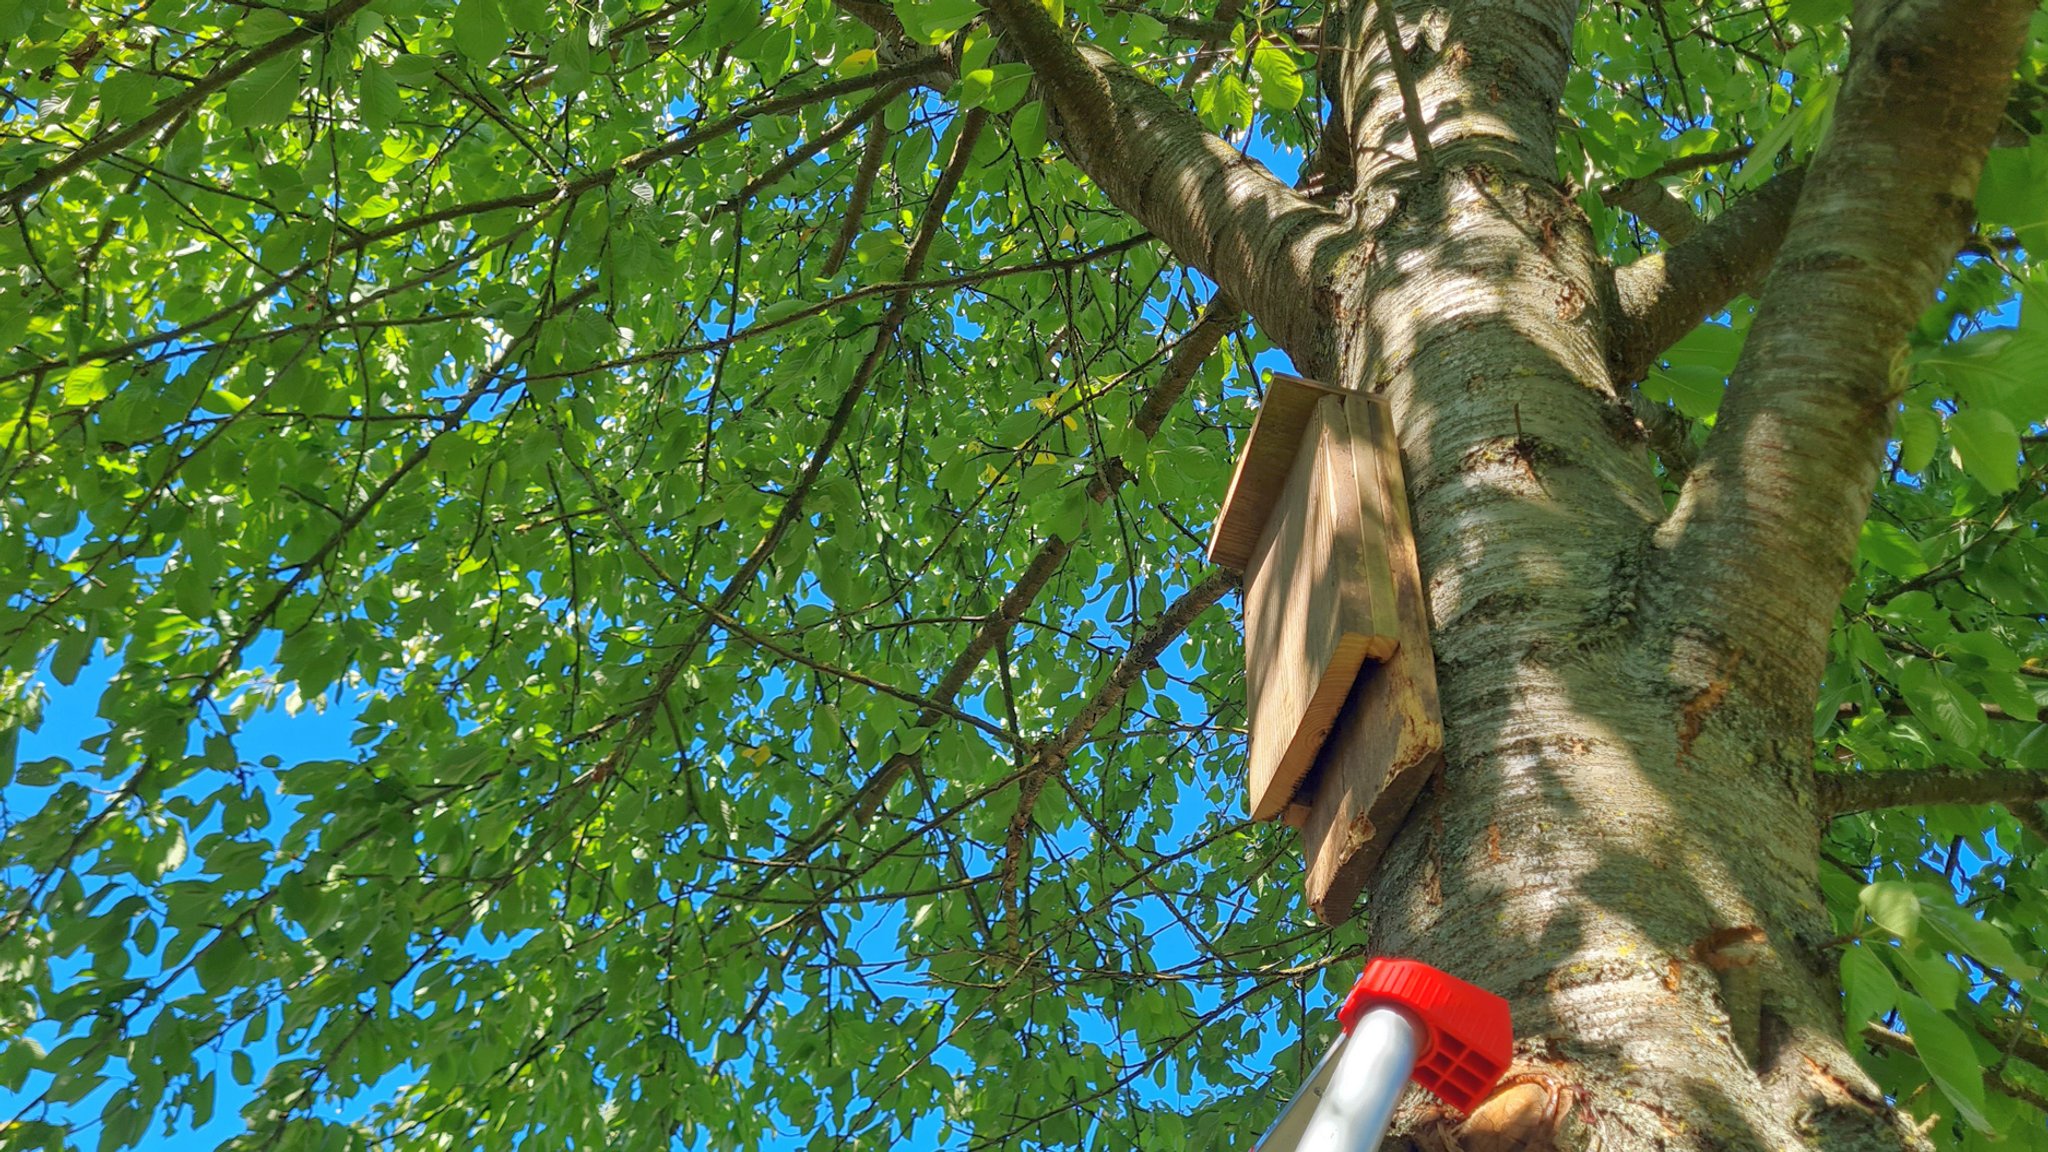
[
  {"x": 1318, "y": 602},
  {"x": 1388, "y": 737},
  {"x": 1262, "y": 468},
  {"x": 1361, "y": 550}
]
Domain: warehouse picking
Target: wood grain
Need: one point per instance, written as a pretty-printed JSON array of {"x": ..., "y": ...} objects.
[
  {"x": 1263, "y": 467},
  {"x": 1388, "y": 737},
  {"x": 1318, "y": 601}
]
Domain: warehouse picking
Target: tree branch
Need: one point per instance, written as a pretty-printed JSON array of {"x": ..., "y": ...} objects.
[
  {"x": 1845, "y": 793},
  {"x": 1223, "y": 213},
  {"x": 1666, "y": 294},
  {"x": 642, "y": 715},
  {"x": 485, "y": 382},
  {"x": 1144, "y": 650},
  {"x": 1181, "y": 27},
  {"x": 1782, "y": 486},
  {"x": 1879, "y": 1036},
  {"x": 873, "y": 150},
  {"x": 795, "y": 158},
  {"x": 1651, "y": 202},
  {"x": 1646, "y": 197},
  {"x": 2019, "y": 1038},
  {"x": 2031, "y": 818},
  {"x": 553, "y": 197},
  {"x": 311, "y": 27},
  {"x": 1194, "y": 348},
  {"x": 1211, "y": 52},
  {"x": 1669, "y": 433},
  {"x": 1897, "y": 707}
]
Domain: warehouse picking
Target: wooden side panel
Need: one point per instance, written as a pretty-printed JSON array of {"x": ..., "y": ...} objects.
[
  {"x": 1263, "y": 466},
  {"x": 1388, "y": 738},
  {"x": 1361, "y": 551},
  {"x": 1318, "y": 603}
]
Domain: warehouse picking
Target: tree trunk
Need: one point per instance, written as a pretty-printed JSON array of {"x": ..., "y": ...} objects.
[
  {"x": 1624, "y": 841},
  {"x": 1594, "y": 851}
]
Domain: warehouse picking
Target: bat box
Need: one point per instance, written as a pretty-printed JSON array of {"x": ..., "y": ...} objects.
[{"x": 1339, "y": 682}]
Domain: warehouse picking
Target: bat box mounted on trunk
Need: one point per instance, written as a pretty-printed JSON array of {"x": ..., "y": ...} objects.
[{"x": 1339, "y": 683}]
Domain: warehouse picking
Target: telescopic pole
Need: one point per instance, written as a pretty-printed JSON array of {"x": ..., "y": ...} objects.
[{"x": 1403, "y": 1021}]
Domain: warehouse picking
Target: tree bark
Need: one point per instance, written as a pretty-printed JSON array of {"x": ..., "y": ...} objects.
[
  {"x": 1625, "y": 840},
  {"x": 1663, "y": 296}
]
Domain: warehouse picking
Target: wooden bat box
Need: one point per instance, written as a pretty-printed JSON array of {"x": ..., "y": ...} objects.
[{"x": 1339, "y": 682}]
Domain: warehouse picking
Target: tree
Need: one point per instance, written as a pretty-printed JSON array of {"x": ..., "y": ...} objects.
[{"x": 739, "y": 471}]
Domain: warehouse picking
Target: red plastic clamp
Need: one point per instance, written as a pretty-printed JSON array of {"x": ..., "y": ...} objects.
[{"x": 1470, "y": 1036}]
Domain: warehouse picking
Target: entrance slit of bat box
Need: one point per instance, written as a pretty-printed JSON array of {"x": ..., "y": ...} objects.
[{"x": 1340, "y": 683}]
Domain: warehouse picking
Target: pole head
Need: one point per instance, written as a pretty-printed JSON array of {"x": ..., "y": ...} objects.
[{"x": 1470, "y": 1038}]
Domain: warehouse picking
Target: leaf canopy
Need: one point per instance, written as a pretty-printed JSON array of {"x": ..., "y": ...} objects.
[{"x": 621, "y": 419}]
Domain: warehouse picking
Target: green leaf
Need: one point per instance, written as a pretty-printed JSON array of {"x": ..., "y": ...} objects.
[
  {"x": 1224, "y": 102},
  {"x": 531, "y": 18},
  {"x": 124, "y": 94},
  {"x": 1893, "y": 906},
  {"x": 378, "y": 92},
  {"x": 87, "y": 384},
  {"x": 1948, "y": 1056},
  {"x": 2011, "y": 692},
  {"x": 1280, "y": 84},
  {"x": 169, "y": 852},
  {"x": 122, "y": 1119},
  {"x": 980, "y": 52},
  {"x": 975, "y": 87},
  {"x": 1888, "y": 547},
  {"x": 1696, "y": 388},
  {"x": 265, "y": 95},
  {"x": 1936, "y": 698},
  {"x": 931, "y": 21},
  {"x": 2014, "y": 191},
  {"x": 74, "y": 647},
  {"x": 1919, "y": 430},
  {"x": 1869, "y": 990},
  {"x": 1930, "y": 973},
  {"x": 1985, "y": 942},
  {"x": 413, "y": 68},
  {"x": 1068, "y": 512},
  {"x": 221, "y": 964},
  {"x": 1027, "y": 130},
  {"x": 853, "y": 64},
  {"x": 2032, "y": 751},
  {"x": 1796, "y": 129},
  {"x": 1759, "y": 165},
  {"x": 224, "y": 402},
  {"x": 480, "y": 30},
  {"x": 261, "y": 26},
  {"x": 1011, "y": 83},
  {"x": 1987, "y": 447},
  {"x": 1814, "y": 13},
  {"x": 1981, "y": 650},
  {"x": 2002, "y": 369}
]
